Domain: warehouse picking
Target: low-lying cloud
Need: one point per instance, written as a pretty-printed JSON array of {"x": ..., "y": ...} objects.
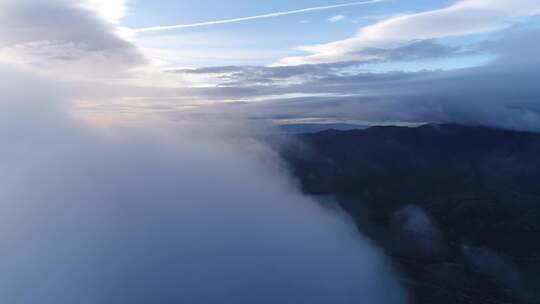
[{"x": 137, "y": 216}]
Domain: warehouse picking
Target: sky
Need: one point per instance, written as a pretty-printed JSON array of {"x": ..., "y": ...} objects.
[{"x": 369, "y": 62}]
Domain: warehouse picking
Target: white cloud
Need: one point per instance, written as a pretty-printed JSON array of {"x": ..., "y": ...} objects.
[
  {"x": 336, "y": 18},
  {"x": 111, "y": 10},
  {"x": 465, "y": 17},
  {"x": 64, "y": 36},
  {"x": 139, "y": 215}
]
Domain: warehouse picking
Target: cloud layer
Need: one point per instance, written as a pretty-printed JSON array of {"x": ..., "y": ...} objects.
[
  {"x": 501, "y": 93},
  {"x": 65, "y": 36},
  {"x": 142, "y": 216},
  {"x": 196, "y": 212}
]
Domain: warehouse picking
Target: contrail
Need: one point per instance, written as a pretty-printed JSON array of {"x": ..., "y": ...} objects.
[{"x": 242, "y": 19}]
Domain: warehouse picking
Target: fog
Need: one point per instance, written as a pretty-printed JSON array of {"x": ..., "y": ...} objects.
[
  {"x": 150, "y": 214},
  {"x": 416, "y": 231}
]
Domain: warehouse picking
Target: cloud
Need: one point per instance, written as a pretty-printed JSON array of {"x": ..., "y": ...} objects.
[
  {"x": 111, "y": 10},
  {"x": 415, "y": 227},
  {"x": 196, "y": 212},
  {"x": 155, "y": 215},
  {"x": 501, "y": 94},
  {"x": 64, "y": 36},
  {"x": 465, "y": 17},
  {"x": 425, "y": 49},
  {"x": 264, "y": 16},
  {"x": 336, "y": 18}
]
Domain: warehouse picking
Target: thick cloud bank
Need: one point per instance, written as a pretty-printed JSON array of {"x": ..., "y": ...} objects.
[
  {"x": 93, "y": 216},
  {"x": 65, "y": 36},
  {"x": 501, "y": 94}
]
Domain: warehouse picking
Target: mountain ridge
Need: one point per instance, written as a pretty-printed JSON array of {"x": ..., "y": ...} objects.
[{"x": 470, "y": 194}]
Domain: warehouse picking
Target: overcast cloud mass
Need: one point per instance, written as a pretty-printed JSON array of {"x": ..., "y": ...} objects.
[
  {"x": 163, "y": 213},
  {"x": 145, "y": 216}
]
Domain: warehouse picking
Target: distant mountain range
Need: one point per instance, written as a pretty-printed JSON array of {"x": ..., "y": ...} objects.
[
  {"x": 314, "y": 127},
  {"x": 456, "y": 207}
]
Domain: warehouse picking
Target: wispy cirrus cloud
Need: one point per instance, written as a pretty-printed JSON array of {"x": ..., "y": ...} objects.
[
  {"x": 256, "y": 17},
  {"x": 336, "y": 18}
]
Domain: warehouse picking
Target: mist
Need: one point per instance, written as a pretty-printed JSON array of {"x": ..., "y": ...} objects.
[{"x": 150, "y": 214}]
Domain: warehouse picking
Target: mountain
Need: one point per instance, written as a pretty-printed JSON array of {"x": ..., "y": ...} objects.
[
  {"x": 457, "y": 208},
  {"x": 314, "y": 127}
]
